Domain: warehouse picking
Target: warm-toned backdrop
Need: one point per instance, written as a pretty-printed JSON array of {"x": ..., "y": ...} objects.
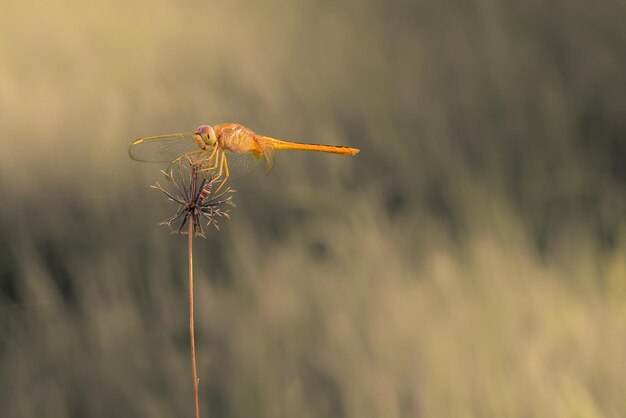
[{"x": 469, "y": 262}]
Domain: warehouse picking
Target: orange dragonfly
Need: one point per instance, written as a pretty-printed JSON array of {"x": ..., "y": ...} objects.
[{"x": 230, "y": 149}]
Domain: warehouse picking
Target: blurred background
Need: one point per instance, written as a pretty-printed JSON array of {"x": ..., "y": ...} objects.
[{"x": 469, "y": 262}]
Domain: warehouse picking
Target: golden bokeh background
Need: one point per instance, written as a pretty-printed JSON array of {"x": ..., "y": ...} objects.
[{"x": 469, "y": 262}]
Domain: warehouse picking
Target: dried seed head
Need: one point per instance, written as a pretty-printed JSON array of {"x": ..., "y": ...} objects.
[{"x": 198, "y": 197}]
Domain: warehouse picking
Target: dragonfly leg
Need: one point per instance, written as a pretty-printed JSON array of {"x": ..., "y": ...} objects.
[
  {"x": 178, "y": 161},
  {"x": 223, "y": 170},
  {"x": 215, "y": 164},
  {"x": 215, "y": 147},
  {"x": 191, "y": 157},
  {"x": 209, "y": 159},
  {"x": 219, "y": 162},
  {"x": 225, "y": 166}
]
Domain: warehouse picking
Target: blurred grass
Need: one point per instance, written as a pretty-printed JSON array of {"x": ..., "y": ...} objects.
[{"x": 469, "y": 262}]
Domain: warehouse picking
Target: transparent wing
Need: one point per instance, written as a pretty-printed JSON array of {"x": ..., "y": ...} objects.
[
  {"x": 268, "y": 154},
  {"x": 242, "y": 164},
  {"x": 162, "y": 148}
]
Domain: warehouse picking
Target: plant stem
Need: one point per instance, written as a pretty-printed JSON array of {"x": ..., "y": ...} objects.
[{"x": 191, "y": 325}]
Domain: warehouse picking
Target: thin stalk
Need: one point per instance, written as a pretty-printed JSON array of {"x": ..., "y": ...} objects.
[{"x": 191, "y": 325}]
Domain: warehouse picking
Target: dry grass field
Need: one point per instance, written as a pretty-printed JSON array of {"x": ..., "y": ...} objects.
[{"x": 470, "y": 261}]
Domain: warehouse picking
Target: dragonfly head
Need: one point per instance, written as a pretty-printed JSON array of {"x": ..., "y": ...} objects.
[{"x": 207, "y": 133}]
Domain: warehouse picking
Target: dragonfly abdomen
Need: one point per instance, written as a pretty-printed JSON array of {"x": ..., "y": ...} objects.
[{"x": 332, "y": 149}]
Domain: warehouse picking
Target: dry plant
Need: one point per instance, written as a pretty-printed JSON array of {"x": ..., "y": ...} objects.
[{"x": 199, "y": 199}]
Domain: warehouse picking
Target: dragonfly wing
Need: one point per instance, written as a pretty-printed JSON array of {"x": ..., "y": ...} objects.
[
  {"x": 268, "y": 151},
  {"x": 162, "y": 148},
  {"x": 242, "y": 164}
]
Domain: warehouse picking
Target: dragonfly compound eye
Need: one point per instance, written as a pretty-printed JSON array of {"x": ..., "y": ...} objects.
[{"x": 207, "y": 134}]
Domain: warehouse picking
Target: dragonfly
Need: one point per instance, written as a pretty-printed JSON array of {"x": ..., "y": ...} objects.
[{"x": 229, "y": 149}]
